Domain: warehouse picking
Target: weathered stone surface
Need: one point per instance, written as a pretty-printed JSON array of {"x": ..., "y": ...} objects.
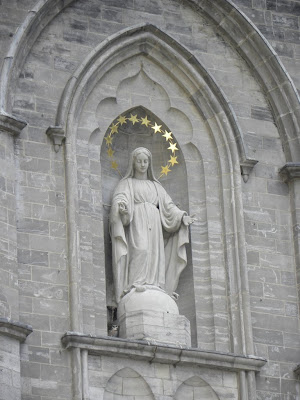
[{"x": 61, "y": 279}]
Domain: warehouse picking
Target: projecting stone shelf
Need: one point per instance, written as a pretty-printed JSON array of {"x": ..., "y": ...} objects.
[
  {"x": 14, "y": 329},
  {"x": 165, "y": 354},
  {"x": 290, "y": 171}
]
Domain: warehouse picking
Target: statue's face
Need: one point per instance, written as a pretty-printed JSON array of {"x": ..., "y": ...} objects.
[{"x": 141, "y": 163}]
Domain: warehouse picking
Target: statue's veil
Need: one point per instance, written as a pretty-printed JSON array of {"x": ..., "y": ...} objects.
[{"x": 130, "y": 169}]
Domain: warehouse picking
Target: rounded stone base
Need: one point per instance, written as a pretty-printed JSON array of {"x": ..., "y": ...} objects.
[{"x": 144, "y": 299}]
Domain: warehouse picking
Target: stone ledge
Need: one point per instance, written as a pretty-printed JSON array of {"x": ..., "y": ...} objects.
[
  {"x": 10, "y": 124},
  {"x": 14, "y": 329},
  {"x": 290, "y": 171},
  {"x": 165, "y": 354}
]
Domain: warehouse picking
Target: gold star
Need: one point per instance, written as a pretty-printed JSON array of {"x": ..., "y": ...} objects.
[
  {"x": 168, "y": 135},
  {"x": 156, "y": 128},
  {"x": 114, "y": 165},
  {"x": 108, "y": 140},
  {"x": 173, "y": 160},
  {"x": 173, "y": 147},
  {"x": 145, "y": 121},
  {"x": 122, "y": 120},
  {"x": 165, "y": 170},
  {"x": 133, "y": 119},
  {"x": 113, "y": 129},
  {"x": 110, "y": 152}
]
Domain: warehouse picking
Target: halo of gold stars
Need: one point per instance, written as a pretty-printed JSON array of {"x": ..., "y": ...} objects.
[{"x": 133, "y": 119}]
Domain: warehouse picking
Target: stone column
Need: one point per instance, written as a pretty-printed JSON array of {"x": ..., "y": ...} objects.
[
  {"x": 11, "y": 331},
  {"x": 11, "y": 335},
  {"x": 291, "y": 174}
]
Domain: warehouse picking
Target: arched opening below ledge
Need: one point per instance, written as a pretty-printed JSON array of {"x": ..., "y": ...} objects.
[
  {"x": 195, "y": 388},
  {"x": 127, "y": 384}
]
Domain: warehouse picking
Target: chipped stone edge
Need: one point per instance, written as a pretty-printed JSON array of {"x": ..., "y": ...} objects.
[
  {"x": 297, "y": 370},
  {"x": 166, "y": 354},
  {"x": 290, "y": 171},
  {"x": 14, "y": 329}
]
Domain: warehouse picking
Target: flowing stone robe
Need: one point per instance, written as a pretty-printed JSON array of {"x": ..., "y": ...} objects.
[{"x": 148, "y": 243}]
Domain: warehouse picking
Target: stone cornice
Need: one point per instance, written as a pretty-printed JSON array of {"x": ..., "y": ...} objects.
[
  {"x": 16, "y": 330},
  {"x": 11, "y": 124},
  {"x": 290, "y": 171},
  {"x": 141, "y": 350}
]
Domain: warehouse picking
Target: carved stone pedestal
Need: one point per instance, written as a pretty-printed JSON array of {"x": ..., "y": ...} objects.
[
  {"x": 152, "y": 315},
  {"x": 154, "y": 326}
]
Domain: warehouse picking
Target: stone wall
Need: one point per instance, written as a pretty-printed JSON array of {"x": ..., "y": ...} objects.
[{"x": 188, "y": 64}]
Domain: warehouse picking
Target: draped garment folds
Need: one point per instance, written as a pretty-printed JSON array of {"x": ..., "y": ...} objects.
[{"x": 148, "y": 243}]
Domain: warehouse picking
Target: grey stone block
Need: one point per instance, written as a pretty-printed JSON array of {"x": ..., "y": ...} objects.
[
  {"x": 30, "y": 370},
  {"x": 33, "y": 257},
  {"x": 277, "y": 187},
  {"x": 268, "y": 384},
  {"x": 55, "y": 373},
  {"x": 38, "y": 355},
  {"x": 253, "y": 257},
  {"x": 33, "y": 226},
  {"x": 268, "y": 337},
  {"x": 285, "y": 21},
  {"x": 282, "y": 354},
  {"x": 273, "y": 322}
]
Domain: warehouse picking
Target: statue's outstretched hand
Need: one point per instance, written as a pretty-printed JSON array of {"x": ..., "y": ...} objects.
[
  {"x": 188, "y": 219},
  {"x": 123, "y": 208}
]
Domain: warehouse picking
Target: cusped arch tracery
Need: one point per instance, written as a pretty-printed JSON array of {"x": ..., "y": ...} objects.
[{"x": 127, "y": 384}]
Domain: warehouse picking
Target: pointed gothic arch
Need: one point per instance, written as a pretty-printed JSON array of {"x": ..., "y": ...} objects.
[
  {"x": 215, "y": 112},
  {"x": 195, "y": 388},
  {"x": 229, "y": 21}
]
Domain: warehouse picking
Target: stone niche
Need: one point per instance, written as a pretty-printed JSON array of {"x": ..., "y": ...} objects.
[
  {"x": 150, "y": 315},
  {"x": 157, "y": 79}
]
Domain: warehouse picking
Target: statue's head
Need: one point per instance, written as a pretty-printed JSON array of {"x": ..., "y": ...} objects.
[{"x": 140, "y": 156}]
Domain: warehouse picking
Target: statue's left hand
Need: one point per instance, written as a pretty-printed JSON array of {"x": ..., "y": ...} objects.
[{"x": 188, "y": 219}]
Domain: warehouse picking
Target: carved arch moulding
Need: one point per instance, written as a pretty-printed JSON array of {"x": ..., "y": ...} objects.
[{"x": 103, "y": 88}]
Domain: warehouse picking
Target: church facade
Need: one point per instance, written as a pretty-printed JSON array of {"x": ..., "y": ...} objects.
[{"x": 211, "y": 89}]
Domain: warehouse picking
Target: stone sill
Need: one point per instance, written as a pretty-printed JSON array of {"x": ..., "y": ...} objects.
[
  {"x": 165, "y": 354},
  {"x": 15, "y": 330}
]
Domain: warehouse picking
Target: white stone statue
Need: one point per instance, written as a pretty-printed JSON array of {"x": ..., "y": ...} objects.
[{"x": 148, "y": 231}]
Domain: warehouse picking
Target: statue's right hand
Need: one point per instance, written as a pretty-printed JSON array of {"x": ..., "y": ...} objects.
[{"x": 123, "y": 208}]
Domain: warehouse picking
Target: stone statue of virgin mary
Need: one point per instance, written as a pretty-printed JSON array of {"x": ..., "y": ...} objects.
[{"x": 148, "y": 231}]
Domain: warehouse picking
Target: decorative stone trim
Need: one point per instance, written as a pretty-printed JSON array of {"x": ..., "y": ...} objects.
[
  {"x": 57, "y": 135},
  {"x": 290, "y": 171},
  {"x": 14, "y": 329},
  {"x": 10, "y": 124},
  {"x": 166, "y": 354},
  {"x": 246, "y": 168}
]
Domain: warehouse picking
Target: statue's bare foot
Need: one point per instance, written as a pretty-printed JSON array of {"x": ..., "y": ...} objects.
[
  {"x": 175, "y": 296},
  {"x": 140, "y": 288}
]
